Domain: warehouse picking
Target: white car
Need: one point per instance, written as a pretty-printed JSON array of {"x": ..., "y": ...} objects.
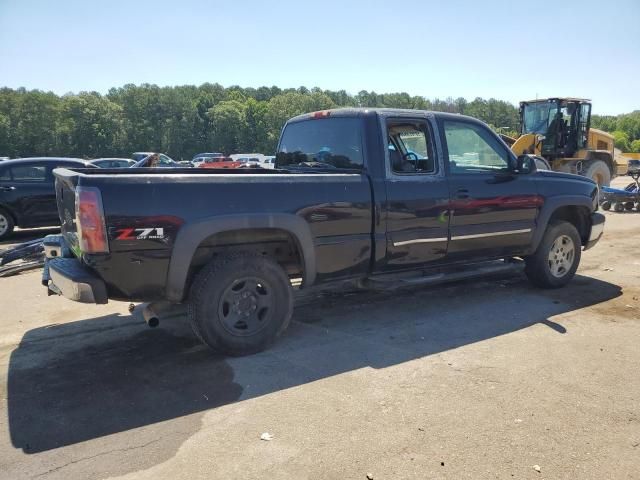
[
  {"x": 249, "y": 159},
  {"x": 269, "y": 161}
]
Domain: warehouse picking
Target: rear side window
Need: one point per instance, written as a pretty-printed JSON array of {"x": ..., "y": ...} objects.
[
  {"x": 322, "y": 143},
  {"x": 29, "y": 173}
]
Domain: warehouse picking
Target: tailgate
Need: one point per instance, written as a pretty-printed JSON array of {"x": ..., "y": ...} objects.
[{"x": 66, "y": 182}]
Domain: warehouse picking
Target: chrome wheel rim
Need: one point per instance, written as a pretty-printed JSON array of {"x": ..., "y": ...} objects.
[
  {"x": 561, "y": 256},
  {"x": 4, "y": 224},
  {"x": 246, "y": 306}
]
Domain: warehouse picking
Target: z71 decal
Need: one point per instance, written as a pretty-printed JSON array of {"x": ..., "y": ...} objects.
[{"x": 153, "y": 233}]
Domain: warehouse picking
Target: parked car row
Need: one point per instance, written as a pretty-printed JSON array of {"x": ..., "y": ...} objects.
[
  {"x": 27, "y": 193},
  {"x": 237, "y": 160}
]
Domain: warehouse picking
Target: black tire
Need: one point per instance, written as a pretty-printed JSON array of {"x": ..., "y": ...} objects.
[
  {"x": 6, "y": 224},
  {"x": 599, "y": 172},
  {"x": 618, "y": 207},
  {"x": 606, "y": 205},
  {"x": 628, "y": 205},
  {"x": 240, "y": 303},
  {"x": 552, "y": 266}
]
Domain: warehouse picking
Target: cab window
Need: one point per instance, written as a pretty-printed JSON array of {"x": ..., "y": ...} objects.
[
  {"x": 409, "y": 147},
  {"x": 321, "y": 143},
  {"x": 474, "y": 149}
]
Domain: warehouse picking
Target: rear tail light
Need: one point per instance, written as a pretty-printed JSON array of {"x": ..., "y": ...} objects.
[{"x": 90, "y": 224}]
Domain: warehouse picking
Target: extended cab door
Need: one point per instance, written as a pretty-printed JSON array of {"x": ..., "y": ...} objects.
[
  {"x": 493, "y": 209},
  {"x": 417, "y": 195}
]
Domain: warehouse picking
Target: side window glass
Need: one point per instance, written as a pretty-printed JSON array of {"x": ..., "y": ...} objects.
[
  {"x": 409, "y": 147},
  {"x": 585, "y": 112},
  {"x": 5, "y": 175},
  {"x": 29, "y": 173},
  {"x": 473, "y": 149},
  {"x": 322, "y": 143}
]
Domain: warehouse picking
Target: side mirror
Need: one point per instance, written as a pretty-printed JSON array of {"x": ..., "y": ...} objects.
[{"x": 526, "y": 164}]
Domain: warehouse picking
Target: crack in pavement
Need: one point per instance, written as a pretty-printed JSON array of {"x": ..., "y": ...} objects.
[{"x": 95, "y": 456}]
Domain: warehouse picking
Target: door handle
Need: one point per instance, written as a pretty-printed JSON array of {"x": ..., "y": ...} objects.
[
  {"x": 462, "y": 193},
  {"x": 7, "y": 189}
]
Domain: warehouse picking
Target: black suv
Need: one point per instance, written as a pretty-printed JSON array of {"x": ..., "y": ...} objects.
[{"x": 27, "y": 193}]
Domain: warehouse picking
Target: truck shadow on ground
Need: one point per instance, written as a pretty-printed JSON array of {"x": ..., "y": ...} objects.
[{"x": 84, "y": 380}]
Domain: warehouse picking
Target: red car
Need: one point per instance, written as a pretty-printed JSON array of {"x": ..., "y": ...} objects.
[{"x": 220, "y": 162}]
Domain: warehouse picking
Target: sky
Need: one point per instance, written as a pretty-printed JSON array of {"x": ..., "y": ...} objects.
[{"x": 445, "y": 48}]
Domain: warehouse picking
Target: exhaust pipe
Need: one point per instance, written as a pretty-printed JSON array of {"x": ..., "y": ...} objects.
[{"x": 150, "y": 316}]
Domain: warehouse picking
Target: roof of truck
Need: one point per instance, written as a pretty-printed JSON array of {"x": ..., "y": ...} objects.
[
  {"x": 357, "y": 111},
  {"x": 384, "y": 112},
  {"x": 568, "y": 99}
]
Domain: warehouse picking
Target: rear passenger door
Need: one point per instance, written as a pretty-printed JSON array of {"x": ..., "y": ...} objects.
[
  {"x": 417, "y": 195},
  {"x": 337, "y": 205},
  {"x": 493, "y": 209}
]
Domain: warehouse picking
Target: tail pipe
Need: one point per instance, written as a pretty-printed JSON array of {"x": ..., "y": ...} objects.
[{"x": 150, "y": 316}]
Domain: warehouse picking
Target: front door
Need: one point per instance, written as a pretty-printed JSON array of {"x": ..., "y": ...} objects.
[
  {"x": 417, "y": 196},
  {"x": 493, "y": 209}
]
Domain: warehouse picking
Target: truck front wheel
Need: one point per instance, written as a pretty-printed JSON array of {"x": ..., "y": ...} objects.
[
  {"x": 556, "y": 260},
  {"x": 240, "y": 303}
]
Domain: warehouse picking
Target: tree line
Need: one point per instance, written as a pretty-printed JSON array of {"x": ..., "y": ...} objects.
[
  {"x": 184, "y": 120},
  {"x": 625, "y": 129}
]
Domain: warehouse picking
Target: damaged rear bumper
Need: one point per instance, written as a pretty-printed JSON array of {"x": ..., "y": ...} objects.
[{"x": 65, "y": 275}]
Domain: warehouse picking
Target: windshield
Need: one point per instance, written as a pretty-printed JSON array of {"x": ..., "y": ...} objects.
[{"x": 537, "y": 117}]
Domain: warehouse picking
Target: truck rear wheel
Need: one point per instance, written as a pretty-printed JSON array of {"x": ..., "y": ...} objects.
[
  {"x": 556, "y": 260},
  {"x": 240, "y": 303},
  {"x": 6, "y": 224},
  {"x": 599, "y": 172}
]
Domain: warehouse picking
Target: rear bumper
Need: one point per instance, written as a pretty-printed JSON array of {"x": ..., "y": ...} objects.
[
  {"x": 597, "y": 228},
  {"x": 65, "y": 275},
  {"x": 71, "y": 279}
]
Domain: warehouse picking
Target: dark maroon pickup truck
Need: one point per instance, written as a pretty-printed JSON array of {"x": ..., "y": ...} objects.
[{"x": 357, "y": 195}]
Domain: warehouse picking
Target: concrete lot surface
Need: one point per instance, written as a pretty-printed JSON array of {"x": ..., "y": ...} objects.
[{"x": 483, "y": 379}]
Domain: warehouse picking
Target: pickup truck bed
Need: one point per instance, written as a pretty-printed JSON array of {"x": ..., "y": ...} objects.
[{"x": 358, "y": 194}]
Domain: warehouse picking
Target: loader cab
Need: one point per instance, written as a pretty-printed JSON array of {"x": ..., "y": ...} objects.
[{"x": 562, "y": 122}]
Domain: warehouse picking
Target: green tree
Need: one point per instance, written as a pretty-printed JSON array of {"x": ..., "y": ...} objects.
[
  {"x": 228, "y": 120},
  {"x": 90, "y": 126},
  {"x": 621, "y": 140}
]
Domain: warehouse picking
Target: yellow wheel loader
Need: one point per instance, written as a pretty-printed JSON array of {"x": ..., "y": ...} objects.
[{"x": 558, "y": 129}]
